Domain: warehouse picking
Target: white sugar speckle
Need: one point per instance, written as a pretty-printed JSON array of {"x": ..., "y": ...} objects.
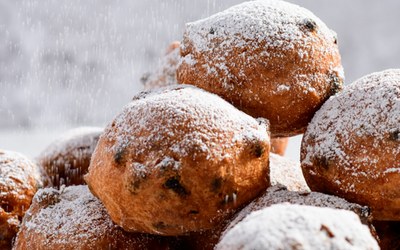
[
  {"x": 366, "y": 116},
  {"x": 292, "y": 227}
]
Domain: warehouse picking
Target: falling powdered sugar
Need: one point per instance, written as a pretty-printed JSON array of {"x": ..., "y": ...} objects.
[
  {"x": 273, "y": 25},
  {"x": 165, "y": 74},
  {"x": 271, "y": 21},
  {"x": 74, "y": 141}
]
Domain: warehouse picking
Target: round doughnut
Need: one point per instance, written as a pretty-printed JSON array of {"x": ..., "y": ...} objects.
[
  {"x": 173, "y": 150},
  {"x": 67, "y": 159},
  {"x": 72, "y": 218},
  {"x": 165, "y": 73},
  {"x": 279, "y": 145},
  {"x": 20, "y": 178},
  {"x": 269, "y": 58},
  {"x": 292, "y": 227},
  {"x": 287, "y": 173},
  {"x": 352, "y": 145}
]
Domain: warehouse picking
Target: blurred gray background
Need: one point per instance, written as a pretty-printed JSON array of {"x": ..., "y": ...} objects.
[{"x": 67, "y": 63}]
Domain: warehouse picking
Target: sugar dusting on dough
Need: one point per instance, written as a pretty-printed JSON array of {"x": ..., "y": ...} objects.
[
  {"x": 287, "y": 173},
  {"x": 368, "y": 108},
  {"x": 276, "y": 25},
  {"x": 280, "y": 194},
  {"x": 272, "y": 21},
  {"x": 184, "y": 120},
  {"x": 72, "y": 215},
  {"x": 292, "y": 227},
  {"x": 73, "y": 139},
  {"x": 16, "y": 174}
]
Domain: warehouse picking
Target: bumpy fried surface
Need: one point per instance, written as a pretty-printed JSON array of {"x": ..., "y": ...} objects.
[
  {"x": 20, "y": 178},
  {"x": 179, "y": 159},
  {"x": 72, "y": 218},
  {"x": 271, "y": 59},
  {"x": 352, "y": 145},
  {"x": 67, "y": 159}
]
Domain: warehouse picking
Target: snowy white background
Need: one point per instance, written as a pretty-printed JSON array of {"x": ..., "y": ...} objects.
[{"x": 67, "y": 63}]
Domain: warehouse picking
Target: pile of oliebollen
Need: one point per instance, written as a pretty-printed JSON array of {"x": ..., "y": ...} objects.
[{"x": 193, "y": 162}]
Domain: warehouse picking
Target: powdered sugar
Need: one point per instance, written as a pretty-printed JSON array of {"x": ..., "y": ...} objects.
[
  {"x": 165, "y": 74},
  {"x": 279, "y": 194},
  {"x": 72, "y": 208},
  {"x": 286, "y": 172},
  {"x": 19, "y": 180},
  {"x": 270, "y": 21},
  {"x": 271, "y": 24},
  {"x": 293, "y": 227},
  {"x": 17, "y": 174},
  {"x": 71, "y": 216},
  {"x": 367, "y": 110},
  {"x": 82, "y": 137},
  {"x": 183, "y": 120},
  {"x": 67, "y": 159}
]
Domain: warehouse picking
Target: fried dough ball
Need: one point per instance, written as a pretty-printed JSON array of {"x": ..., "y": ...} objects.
[
  {"x": 352, "y": 145},
  {"x": 72, "y": 218},
  {"x": 292, "y": 227},
  {"x": 177, "y": 160},
  {"x": 276, "y": 195},
  {"x": 67, "y": 159},
  {"x": 279, "y": 145},
  {"x": 269, "y": 58},
  {"x": 283, "y": 172},
  {"x": 165, "y": 74},
  {"x": 20, "y": 178}
]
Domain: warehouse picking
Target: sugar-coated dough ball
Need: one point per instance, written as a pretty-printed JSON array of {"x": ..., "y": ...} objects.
[
  {"x": 20, "y": 178},
  {"x": 67, "y": 159},
  {"x": 72, "y": 218},
  {"x": 292, "y": 227},
  {"x": 177, "y": 160},
  {"x": 352, "y": 145},
  {"x": 269, "y": 58},
  {"x": 276, "y": 195}
]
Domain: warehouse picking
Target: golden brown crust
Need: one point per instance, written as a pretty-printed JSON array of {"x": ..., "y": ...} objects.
[
  {"x": 270, "y": 59},
  {"x": 20, "y": 178},
  {"x": 72, "y": 218},
  {"x": 277, "y": 195},
  {"x": 67, "y": 159},
  {"x": 279, "y": 145},
  {"x": 179, "y": 160},
  {"x": 352, "y": 147}
]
